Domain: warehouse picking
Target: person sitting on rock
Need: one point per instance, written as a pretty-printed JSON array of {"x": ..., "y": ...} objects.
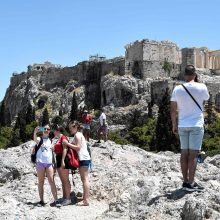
[
  {"x": 103, "y": 128},
  {"x": 79, "y": 144},
  {"x": 87, "y": 120},
  {"x": 62, "y": 171},
  {"x": 44, "y": 163}
]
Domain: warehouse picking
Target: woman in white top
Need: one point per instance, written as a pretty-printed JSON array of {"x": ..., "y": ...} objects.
[
  {"x": 44, "y": 161},
  {"x": 79, "y": 144}
]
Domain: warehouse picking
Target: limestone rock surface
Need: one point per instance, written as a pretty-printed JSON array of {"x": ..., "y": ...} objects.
[{"x": 126, "y": 183}]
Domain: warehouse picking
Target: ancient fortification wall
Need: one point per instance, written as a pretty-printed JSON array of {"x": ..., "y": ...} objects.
[
  {"x": 116, "y": 66},
  {"x": 201, "y": 58},
  {"x": 161, "y": 51},
  {"x": 152, "y": 59},
  {"x": 214, "y": 59},
  {"x": 145, "y": 60}
]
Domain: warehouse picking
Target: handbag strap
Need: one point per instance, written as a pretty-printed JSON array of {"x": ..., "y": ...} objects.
[{"x": 192, "y": 97}]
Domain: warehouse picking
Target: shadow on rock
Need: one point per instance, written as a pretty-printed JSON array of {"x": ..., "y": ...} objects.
[{"x": 175, "y": 195}]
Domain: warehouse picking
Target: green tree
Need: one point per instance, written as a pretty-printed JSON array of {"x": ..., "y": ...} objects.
[
  {"x": 116, "y": 137},
  {"x": 211, "y": 142},
  {"x": 45, "y": 117},
  {"x": 20, "y": 125},
  {"x": 29, "y": 129},
  {"x": 167, "y": 67},
  {"x": 15, "y": 139},
  {"x": 211, "y": 115},
  {"x": 7, "y": 117},
  {"x": 57, "y": 120},
  {"x": 74, "y": 109},
  {"x": 2, "y": 114},
  {"x": 30, "y": 114},
  {"x": 165, "y": 139},
  {"x": 144, "y": 136},
  {"x": 5, "y": 136}
]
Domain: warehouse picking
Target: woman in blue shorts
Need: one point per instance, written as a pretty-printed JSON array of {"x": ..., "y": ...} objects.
[{"x": 79, "y": 144}]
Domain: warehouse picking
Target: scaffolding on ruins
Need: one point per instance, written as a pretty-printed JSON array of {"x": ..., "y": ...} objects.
[{"x": 97, "y": 58}]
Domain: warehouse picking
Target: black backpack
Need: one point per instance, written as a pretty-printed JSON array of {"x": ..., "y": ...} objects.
[{"x": 37, "y": 147}]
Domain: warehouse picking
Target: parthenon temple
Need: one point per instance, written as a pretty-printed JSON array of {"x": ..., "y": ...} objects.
[{"x": 201, "y": 58}]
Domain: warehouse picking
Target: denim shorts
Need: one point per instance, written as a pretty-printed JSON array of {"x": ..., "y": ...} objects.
[
  {"x": 86, "y": 126},
  {"x": 191, "y": 137},
  {"x": 84, "y": 163},
  {"x": 40, "y": 165}
]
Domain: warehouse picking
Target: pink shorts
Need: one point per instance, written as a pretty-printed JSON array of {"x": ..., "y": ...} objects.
[{"x": 40, "y": 165}]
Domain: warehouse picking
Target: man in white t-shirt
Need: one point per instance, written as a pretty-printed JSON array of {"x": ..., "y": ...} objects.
[
  {"x": 190, "y": 124},
  {"x": 103, "y": 129}
]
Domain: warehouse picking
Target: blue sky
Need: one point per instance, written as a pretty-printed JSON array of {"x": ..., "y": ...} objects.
[{"x": 66, "y": 32}]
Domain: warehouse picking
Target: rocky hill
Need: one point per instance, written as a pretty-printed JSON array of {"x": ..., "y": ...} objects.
[
  {"x": 137, "y": 79},
  {"x": 126, "y": 183}
]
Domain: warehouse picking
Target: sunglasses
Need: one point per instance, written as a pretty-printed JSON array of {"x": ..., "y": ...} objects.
[{"x": 46, "y": 129}]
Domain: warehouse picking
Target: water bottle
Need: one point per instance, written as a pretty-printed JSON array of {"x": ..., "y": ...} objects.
[{"x": 201, "y": 157}]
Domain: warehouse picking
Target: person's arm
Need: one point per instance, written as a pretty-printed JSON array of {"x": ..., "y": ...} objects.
[
  {"x": 63, "y": 156},
  {"x": 75, "y": 146},
  {"x": 63, "y": 153},
  {"x": 206, "y": 95},
  {"x": 173, "y": 113},
  {"x": 35, "y": 138},
  {"x": 35, "y": 135}
]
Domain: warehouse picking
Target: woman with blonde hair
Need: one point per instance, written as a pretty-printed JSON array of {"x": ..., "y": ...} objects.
[{"x": 79, "y": 144}]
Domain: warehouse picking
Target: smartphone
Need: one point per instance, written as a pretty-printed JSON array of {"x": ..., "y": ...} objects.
[{"x": 41, "y": 129}]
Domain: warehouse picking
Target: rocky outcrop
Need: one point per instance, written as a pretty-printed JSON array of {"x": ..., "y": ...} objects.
[
  {"x": 96, "y": 84},
  {"x": 126, "y": 183}
]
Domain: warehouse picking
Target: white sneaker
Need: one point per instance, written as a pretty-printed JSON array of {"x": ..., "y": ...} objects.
[{"x": 66, "y": 202}]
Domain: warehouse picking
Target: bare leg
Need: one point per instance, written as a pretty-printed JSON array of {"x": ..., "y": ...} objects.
[
  {"x": 50, "y": 176},
  {"x": 88, "y": 134},
  {"x": 184, "y": 164},
  {"x": 60, "y": 175},
  {"x": 64, "y": 177},
  {"x": 85, "y": 181},
  {"x": 100, "y": 135},
  {"x": 192, "y": 163},
  {"x": 41, "y": 176}
]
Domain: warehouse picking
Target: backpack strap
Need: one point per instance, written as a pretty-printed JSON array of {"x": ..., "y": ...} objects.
[
  {"x": 39, "y": 144},
  {"x": 63, "y": 137},
  {"x": 192, "y": 97}
]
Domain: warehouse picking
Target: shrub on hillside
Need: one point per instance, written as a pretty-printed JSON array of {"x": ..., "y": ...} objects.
[
  {"x": 116, "y": 137},
  {"x": 144, "y": 136},
  {"x": 211, "y": 141},
  {"x": 5, "y": 136}
]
